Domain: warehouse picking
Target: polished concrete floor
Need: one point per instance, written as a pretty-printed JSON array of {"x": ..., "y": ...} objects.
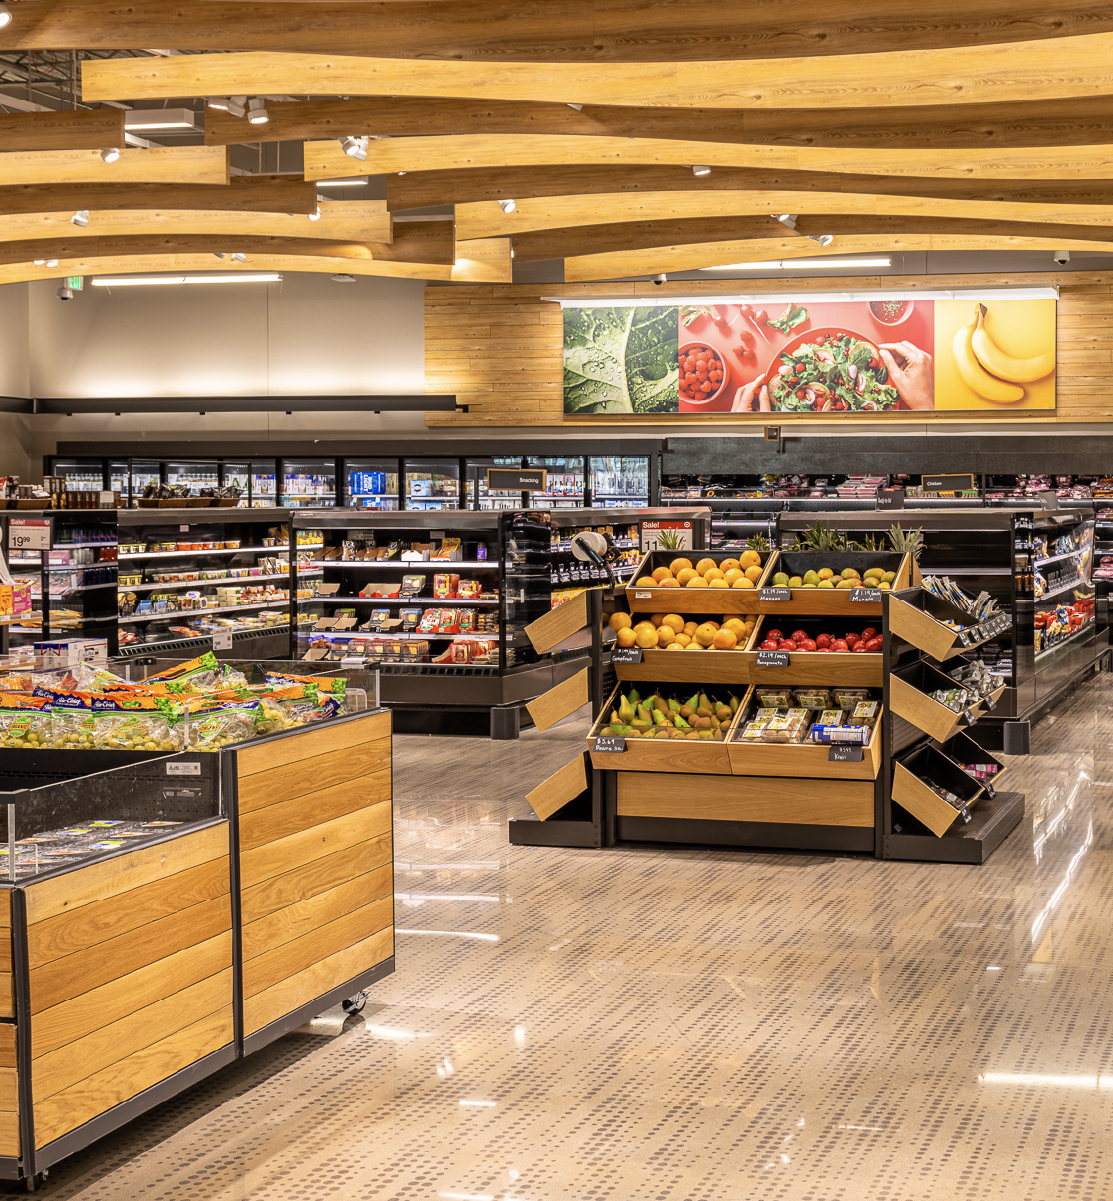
[{"x": 686, "y": 1025}]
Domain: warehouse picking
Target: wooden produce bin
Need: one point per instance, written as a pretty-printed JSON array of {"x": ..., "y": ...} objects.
[
  {"x": 832, "y": 601},
  {"x": 698, "y": 756},
  {"x": 695, "y": 600},
  {"x": 908, "y": 698},
  {"x": 964, "y": 749},
  {"x": 865, "y": 669},
  {"x": 924, "y": 628},
  {"x": 912, "y": 792},
  {"x": 807, "y": 759}
]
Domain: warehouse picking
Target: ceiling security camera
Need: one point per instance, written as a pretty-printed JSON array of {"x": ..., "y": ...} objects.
[
  {"x": 660, "y": 279},
  {"x": 65, "y": 294},
  {"x": 1061, "y": 256}
]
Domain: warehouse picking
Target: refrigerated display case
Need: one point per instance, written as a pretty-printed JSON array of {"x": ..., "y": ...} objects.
[
  {"x": 432, "y": 484},
  {"x": 142, "y": 472},
  {"x": 619, "y": 480},
  {"x": 307, "y": 483},
  {"x": 371, "y": 484},
  {"x": 480, "y": 496},
  {"x": 195, "y": 475},
  {"x": 564, "y": 482},
  {"x": 81, "y": 475},
  {"x": 264, "y": 483}
]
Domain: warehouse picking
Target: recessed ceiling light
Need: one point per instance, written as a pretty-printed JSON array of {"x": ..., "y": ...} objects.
[
  {"x": 166, "y": 118},
  {"x": 701, "y": 170},
  {"x": 342, "y": 183},
  {"x": 806, "y": 264},
  {"x": 232, "y": 277},
  {"x": 5, "y": 17}
]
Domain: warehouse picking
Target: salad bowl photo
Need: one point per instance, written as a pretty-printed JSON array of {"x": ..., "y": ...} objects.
[{"x": 829, "y": 370}]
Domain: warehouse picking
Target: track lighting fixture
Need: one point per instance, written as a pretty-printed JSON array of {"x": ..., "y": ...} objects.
[
  {"x": 788, "y": 219},
  {"x": 110, "y": 154},
  {"x": 236, "y": 105},
  {"x": 257, "y": 113},
  {"x": 52, "y": 262},
  {"x": 239, "y": 258},
  {"x": 822, "y": 239},
  {"x": 217, "y": 255},
  {"x": 5, "y": 17},
  {"x": 701, "y": 170},
  {"x": 80, "y": 218},
  {"x": 508, "y": 206},
  {"x": 316, "y": 214},
  {"x": 577, "y": 107},
  {"x": 354, "y": 147}
]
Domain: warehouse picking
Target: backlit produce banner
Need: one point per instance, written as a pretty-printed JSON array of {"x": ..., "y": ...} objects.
[{"x": 830, "y": 357}]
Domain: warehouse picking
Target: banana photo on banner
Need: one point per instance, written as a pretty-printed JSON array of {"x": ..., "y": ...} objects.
[{"x": 994, "y": 354}]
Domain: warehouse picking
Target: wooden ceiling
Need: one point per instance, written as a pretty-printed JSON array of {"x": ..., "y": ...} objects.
[{"x": 946, "y": 127}]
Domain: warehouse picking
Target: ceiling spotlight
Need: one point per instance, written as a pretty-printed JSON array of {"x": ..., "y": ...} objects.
[
  {"x": 577, "y": 107},
  {"x": 239, "y": 258},
  {"x": 5, "y": 17},
  {"x": 316, "y": 214},
  {"x": 822, "y": 239},
  {"x": 343, "y": 279},
  {"x": 217, "y": 255},
  {"x": 236, "y": 105},
  {"x": 788, "y": 219},
  {"x": 508, "y": 206},
  {"x": 40, "y": 262},
  {"x": 52, "y": 262},
  {"x": 80, "y": 218},
  {"x": 257, "y": 114},
  {"x": 111, "y": 154},
  {"x": 701, "y": 170},
  {"x": 354, "y": 147}
]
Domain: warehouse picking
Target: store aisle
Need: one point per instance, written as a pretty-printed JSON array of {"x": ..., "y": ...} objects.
[{"x": 686, "y": 1025}]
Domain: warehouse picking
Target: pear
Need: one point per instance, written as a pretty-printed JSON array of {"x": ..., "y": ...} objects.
[
  {"x": 659, "y": 718},
  {"x": 705, "y": 702},
  {"x": 625, "y": 711},
  {"x": 674, "y": 705},
  {"x": 615, "y": 719},
  {"x": 634, "y": 697},
  {"x": 681, "y": 724},
  {"x": 734, "y": 702}
]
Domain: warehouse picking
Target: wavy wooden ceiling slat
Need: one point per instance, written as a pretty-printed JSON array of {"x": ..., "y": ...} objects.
[
  {"x": 326, "y": 160},
  {"x": 647, "y": 235},
  {"x": 1057, "y": 68},
  {"x": 485, "y": 219},
  {"x": 344, "y": 221},
  {"x": 242, "y": 193},
  {"x": 163, "y": 165},
  {"x": 1075, "y": 122},
  {"x": 536, "y": 30},
  {"x": 86, "y": 129},
  {"x": 421, "y": 189},
  {"x": 621, "y": 264}
]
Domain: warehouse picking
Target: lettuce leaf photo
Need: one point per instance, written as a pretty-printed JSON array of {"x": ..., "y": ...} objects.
[{"x": 621, "y": 360}]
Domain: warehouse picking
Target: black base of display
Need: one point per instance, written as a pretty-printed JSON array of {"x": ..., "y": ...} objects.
[
  {"x": 776, "y": 835},
  {"x": 555, "y": 832},
  {"x": 304, "y": 1013},
  {"x": 991, "y": 822}
]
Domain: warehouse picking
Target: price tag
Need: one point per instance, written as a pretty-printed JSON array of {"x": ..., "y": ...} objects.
[
  {"x": 610, "y": 744},
  {"x": 28, "y": 533},
  {"x": 965, "y": 814},
  {"x": 626, "y": 654},
  {"x": 891, "y": 498},
  {"x": 643, "y": 596},
  {"x": 989, "y": 703},
  {"x": 990, "y": 791},
  {"x": 774, "y": 594},
  {"x": 870, "y": 595},
  {"x": 773, "y": 659},
  {"x": 969, "y": 716},
  {"x": 183, "y": 529},
  {"x": 844, "y": 754},
  {"x": 222, "y": 640},
  {"x": 180, "y": 768},
  {"x": 964, "y": 637}
]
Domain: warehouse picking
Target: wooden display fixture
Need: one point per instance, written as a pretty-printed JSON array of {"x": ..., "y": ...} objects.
[
  {"x": 772, "y": 799},
  {"x": 691, "y": 600},
  {"x": 808, "y": 759},
  {"x": 963, "y": 748},
  {"x": 908, "y": 698},
  {"x": 715, "y": 666},
  {"x": 924, "y": 628},
  {"x": 833, "y": 600},
  {"x": 864, "y": 669},
  {"x": 911, "y": 791},
  {"x": 696, "y": 755}
]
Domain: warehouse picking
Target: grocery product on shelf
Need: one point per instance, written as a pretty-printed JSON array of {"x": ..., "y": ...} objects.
[
  {"x": 672, "y": 632},
  {"x": 656, "y": 715},
  {"x": 741, "y": 572}
]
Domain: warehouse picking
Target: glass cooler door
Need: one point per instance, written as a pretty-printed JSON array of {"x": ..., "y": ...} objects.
[
  {"x": 308, "y": 483},
  {"x": 619, "y": 480},
  {"x": 432, "y": 483},
  {"x": 372, "y": 483},
  {"x": 264, "y": 483}
]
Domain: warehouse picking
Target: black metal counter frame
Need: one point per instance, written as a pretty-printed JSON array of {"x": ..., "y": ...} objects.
[{"x": 137, "y": 972}]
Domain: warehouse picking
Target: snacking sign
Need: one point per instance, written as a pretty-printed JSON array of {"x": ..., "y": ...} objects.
[{"x": 835, "y": 357}]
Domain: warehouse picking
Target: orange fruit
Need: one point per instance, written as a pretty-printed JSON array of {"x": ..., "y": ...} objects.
[
  {"x": 682, "y": 639},
  {"x": 690, "y": 627},
  {"x": 733, "y": 575},
  {"x": 658, "y": 619},
  {"x": 665, "y": 635},
  {"x": 753, "y": 574},
  {"x": 707, "y": 621},
  {"x": 712, "y": 573},
  {"x": 661, "y": 573},
  {"x": 626, "y": 636},
  {"x": 620, "y": 621},
  {"x": 725, "y": 640},
  {"x": 645, "y": 638},
  {"x": 679, "y": 565},
  {"x": 736, "y": 624},
  {"x": 718, "y": 584},
  {"x": 685, "y": 574},
  {"x": 705, "y": 635},
  {"x": 670, "y": 583},
  {"x": 749, "y": 558},
  {"x": 705, "y": 565},
  {"x": 729, "y": 565},
  {"x": 693, "y": 646},
  {"x": 645, "y": 625},
  {"x": 744, "y": 582},
  {"x": 675, "y": 646},
  {"x": 647, "y": 581},
  {"x": 674, "y": 620},
  {"x": 698, "y": 582}
]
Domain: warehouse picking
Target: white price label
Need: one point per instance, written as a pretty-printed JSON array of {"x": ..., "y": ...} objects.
[
  {"x": 28, "y": 533},
  {"x": 222, "y": 640},
  {"x": 180, "y": 768}
]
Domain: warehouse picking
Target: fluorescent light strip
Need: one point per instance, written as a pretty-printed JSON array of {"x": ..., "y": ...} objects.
[
  {"x": 142, "y": 281},
  {"x": 341, "y": 183},
  {"x": 802, "y": 264},
  {"x": 160, "y": 118},
  {"x": 599, "y": 302},
  {"x": 453, "y": 934}
]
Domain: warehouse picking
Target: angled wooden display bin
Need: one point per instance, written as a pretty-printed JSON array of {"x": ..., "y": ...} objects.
[
  {"x": 924, "y": 627},
  {"x": 819, "y": 601},
  {"x": 864, "y": 669},
  {"x": 912, "y": 778},
  {"x": 808, "y": 759},
  {"x": 659, "y": 599}
]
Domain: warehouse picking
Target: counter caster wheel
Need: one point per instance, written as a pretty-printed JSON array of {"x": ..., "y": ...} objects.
[
  {"x": 354, "y": 1005},
  {"x": 31, "y": 1183}
]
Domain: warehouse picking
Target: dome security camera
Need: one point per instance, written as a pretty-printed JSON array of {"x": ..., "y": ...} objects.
[
  {"x": 65, "y": 294},
  {"x": 660, "y": 279},
  {"x": 1061, "y": 256}
]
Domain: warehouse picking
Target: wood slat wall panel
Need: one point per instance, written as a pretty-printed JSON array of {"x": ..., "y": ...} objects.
[
  {"x": 69, "y": 1108},
  {"x": 474, "y": 317},
  {"x": 289, "y": 817},
  {"x": 288, "y": 994},
  {"x": 9, "y": 1134},
  {"x": 9, "y": 1101},
  {"x": 290, "y": 853},
  {"x": 312, "y": 774},
  {"x": 319, "y": 875},
  {"x": 7, "y": 1044},
  {"x": 306, "y": 745},
  {"x": 327, "y": 939},
  {"x": 284, "y": 925}
]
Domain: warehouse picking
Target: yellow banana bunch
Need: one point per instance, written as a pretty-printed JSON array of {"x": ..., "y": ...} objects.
[
  {"x": 1002, "y": 365},
  {"x": 974, "y": 375}
]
